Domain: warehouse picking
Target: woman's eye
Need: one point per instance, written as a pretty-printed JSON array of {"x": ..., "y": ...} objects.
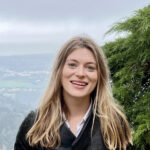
[
  {"x": 91, "y": 68},
  {"x": 72, "y": 65}
]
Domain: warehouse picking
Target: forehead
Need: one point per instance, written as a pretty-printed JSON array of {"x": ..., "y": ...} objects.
[{"x": 83, "y": 54}]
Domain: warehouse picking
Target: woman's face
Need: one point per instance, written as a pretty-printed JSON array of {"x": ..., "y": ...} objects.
[{"x": 79, "y": 75}]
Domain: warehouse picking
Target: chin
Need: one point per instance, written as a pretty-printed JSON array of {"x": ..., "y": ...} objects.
[{"x": 79, "y": 95}]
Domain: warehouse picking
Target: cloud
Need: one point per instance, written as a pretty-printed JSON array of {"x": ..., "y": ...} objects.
[
  {"x": 27, "y": 32},
  {"x": 44, "y": 37},
  {"x": 28, "y": 27},
  {"x": 66, "y": 9}
]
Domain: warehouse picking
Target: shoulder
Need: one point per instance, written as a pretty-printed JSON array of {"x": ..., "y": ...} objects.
[
  {"x": 21, "y": 142},
  {"x": 30, "y": 118},
  {"x": 28, "y": 121}
]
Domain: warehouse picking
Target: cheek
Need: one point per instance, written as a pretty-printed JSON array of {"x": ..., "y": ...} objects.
[
  {"x": 66, "y": 73},
  {"x": 95, "y": 80},
  {"x": 95, "y": 83},
  {"x": 65, "y": 77},
  {"x": 94, "y": 77},
  {"x": 62, "y": 76}
]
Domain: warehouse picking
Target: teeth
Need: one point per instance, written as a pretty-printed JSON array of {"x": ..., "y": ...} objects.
[{"x": 79, "y": 83}]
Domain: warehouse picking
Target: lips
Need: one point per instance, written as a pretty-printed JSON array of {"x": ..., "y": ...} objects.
[{"x": 79, "y": 83}]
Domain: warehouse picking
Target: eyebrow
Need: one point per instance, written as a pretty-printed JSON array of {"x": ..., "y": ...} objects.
[{"x": 77, "y": 61}]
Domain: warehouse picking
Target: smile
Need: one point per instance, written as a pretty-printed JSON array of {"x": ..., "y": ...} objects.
[{"x": 80, "y": 83}]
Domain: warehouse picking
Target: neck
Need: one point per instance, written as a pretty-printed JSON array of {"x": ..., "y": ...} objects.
[{"x": 76, "y": 106}]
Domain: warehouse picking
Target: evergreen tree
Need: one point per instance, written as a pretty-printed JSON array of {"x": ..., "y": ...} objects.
[{"x": 129, "y": 61}]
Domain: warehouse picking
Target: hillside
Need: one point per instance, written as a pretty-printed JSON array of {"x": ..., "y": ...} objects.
[{"x": 22, "y": 81}]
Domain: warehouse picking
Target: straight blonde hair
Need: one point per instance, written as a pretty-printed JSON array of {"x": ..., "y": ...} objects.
[{"x": 114, "y": 125}]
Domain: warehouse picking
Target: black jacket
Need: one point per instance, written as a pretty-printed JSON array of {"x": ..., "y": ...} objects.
[{"x": 84, "y": 141}]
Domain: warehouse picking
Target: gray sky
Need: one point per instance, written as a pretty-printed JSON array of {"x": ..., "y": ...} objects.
[{"x": 42, "y": 26}]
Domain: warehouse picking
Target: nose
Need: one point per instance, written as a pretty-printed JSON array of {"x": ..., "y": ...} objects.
[{"x": 80, "y": 72}]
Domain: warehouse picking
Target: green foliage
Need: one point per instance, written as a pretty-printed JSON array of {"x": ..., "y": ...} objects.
[{"x": 129, "y": 61}]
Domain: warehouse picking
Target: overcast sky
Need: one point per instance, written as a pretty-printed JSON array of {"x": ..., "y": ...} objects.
[{"x": 42, "y": 26}]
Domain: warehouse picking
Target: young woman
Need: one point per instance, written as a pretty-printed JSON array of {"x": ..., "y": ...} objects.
[{"x": 77, "y": 111}]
